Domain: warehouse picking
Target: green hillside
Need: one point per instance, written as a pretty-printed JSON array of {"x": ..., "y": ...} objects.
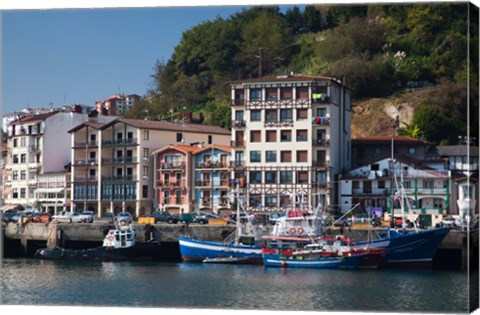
[{"x": 388, "y": 55}]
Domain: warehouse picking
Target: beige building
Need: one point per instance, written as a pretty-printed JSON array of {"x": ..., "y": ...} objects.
[
  {"x": 290, "y": 138},
  {"x": 112, "y": 163}
]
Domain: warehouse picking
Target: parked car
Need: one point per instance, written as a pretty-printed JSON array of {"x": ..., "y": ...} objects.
[
  {"x": 42, "y": 217},
  {"x": 163, "y": 216},
  {"x": 67, "y": 216},
  {"x": 87, "y": 216},
  {"x": 448, "y": 221},
  {"x": 124, "y": 218},
  {"x": 9, "y": 215}
]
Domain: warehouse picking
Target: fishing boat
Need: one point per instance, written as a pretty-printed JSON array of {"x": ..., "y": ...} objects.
[
  {"x": 330, "y": 253},
  {"x": 118, "y": 244},
  {"x": 238, "y": 245}
]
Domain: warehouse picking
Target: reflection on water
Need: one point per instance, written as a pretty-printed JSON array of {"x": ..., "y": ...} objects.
[{"x": 195, "y": 285}]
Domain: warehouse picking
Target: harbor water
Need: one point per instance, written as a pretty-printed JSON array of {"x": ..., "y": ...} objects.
[{"x": 239, "y": 287}]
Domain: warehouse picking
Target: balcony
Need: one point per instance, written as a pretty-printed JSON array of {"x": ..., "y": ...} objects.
[
  {"x": 120, "y": 160},
  {"x": 320, "y": 142},
  {"x": 238, "y": 123},
  {"x": 203, "y": 183},
  {"x": 85, "y": 178},
  {"x": 238, "y": 102},
  {"x": 320, "y": 163},
  {"x": 209, "y": 165},
  {"x": 33, "y": 148},
  {"x": 237, "y": 164},
  {"x": 237, "y": 144},
  {"x": 117, "y": 178},
  {"x": 172, "y": 165},
  {"x": 83, "y": 144},
  {"x": 320, "y": 98},
  {"x": 120, "y": 142},
  {"x": 85, "y": 162},
  {"x": 322, "y": 121},
  {"x": 278, "y": 123}
]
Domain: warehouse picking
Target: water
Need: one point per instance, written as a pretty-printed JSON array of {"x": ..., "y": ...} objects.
[{"x": 242, "y": 287}]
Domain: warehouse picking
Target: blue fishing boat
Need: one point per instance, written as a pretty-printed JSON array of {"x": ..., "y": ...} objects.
[{"x": 324, "y": 253}]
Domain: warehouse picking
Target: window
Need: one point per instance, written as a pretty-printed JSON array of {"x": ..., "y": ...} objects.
[
  {"x": 23, "y": 175},
  {"x": 286, "y": 156},
  {"x": 23, "y": 158},
  {"x": 270, "y": 200},
  {"x": 271, "y": 136},
  {"x": 302, "y": 156},
  {"x": 23, "y": 142},
  {"x": 255, "y": 94},
  {"x": 302, "y": 93},
  {"x": 145, "y": 135},
  {"x": 302, "y": 135},
  {"x": 15, "y": 175},
  {"x": 375, "y": 167},
  {"x": 286, "y": 115},
  {"x": 285, "y": 135},
  {"x": 271, "y": 115},
  {"x": 255, "y": 136},
  {"x": 412, "y": 150},
  {"x": 302, "y": 114},
  {"x": 179, "y": 137},
  {"x": 255, "y": 156},
  {"x": 15, "y": 143},
  {"x": 271, "y": 156},
  {"x": 255, "y": 177},
  {"x": 145, "y": 153},
  {"x": 239, "y": 115},
  {"x": 15, "y": 159},
  {"x": 302, "y": 177},
  {"x": 381, "y": 184},
  {"x": 321, "y": 112},
  {"x": 355, "y": 184},
  {"x": 15, "y": 193},
  {"x": 23, "y": 193},
  {"x": 271, "y": 94},
  {"x": 210, "y": 139},
  {"x": 255, "y": 200},
  {"x": 255, "y": 115},
  {"x": 145, "y": 191},
  {"x": 285, "y": 177},
  {"x": 270, "y": 177},
  {"x": 145, "y": 171},
  {"x": 286, "y": 93}
]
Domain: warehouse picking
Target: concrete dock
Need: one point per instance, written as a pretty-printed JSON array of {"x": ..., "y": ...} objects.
[{"x": 459, "y": 250}]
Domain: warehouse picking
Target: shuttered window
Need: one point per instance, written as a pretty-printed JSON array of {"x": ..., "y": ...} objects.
[
  {"x": 255, "y": 136},
  {"x": 286, "y": 156},
  {"x": 302, "y": 156},
  {"x": 271, "y": 135}
]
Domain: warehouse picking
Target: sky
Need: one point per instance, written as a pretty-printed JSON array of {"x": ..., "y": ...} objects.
[
  {"x": 66, "y": 56},
  {"x": 55, "y": 57}
]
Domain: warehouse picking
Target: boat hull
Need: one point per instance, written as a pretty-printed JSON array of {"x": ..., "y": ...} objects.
[
  {"x": 348, "y": 262},
  {"x": 409, "y": 248},
  {"x": 199, "y": 250},
  {"x": 147, "y": 250}
]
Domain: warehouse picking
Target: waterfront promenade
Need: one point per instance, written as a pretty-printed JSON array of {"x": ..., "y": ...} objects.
[{"x": 24, "y": 240}]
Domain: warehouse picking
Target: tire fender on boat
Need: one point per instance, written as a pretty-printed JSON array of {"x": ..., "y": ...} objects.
[
  {"x": 300, "y": 230},
  {"x": 292, "y": 230}
]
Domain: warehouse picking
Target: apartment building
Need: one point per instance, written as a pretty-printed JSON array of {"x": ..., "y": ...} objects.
[
  {"x": 290, "y": 138},
  {"x": 112, "y": 163},
  {"x": 37, "y": 145},
  {"x": 377, "y": 186},
  {"x": 116, "y": 104}
]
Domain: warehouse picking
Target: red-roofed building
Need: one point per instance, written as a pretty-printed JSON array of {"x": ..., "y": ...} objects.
[{"x": 117, "y": 104}]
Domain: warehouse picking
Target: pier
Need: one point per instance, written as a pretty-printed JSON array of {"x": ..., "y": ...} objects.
[{"x": 457, "y": 250}]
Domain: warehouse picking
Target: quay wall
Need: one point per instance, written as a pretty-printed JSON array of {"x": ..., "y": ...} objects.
[{"x": 32, "y": 236}]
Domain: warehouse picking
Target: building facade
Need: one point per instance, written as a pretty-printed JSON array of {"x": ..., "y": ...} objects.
[
  {"x": 37, "y": 145},
  {"x": 290, "y": 138},
  {"x": 117, "y": 104},
  {"x": 112, "y": 163}
]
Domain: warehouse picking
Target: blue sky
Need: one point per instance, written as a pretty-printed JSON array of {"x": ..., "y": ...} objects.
[{"x": 79, "y": 56}]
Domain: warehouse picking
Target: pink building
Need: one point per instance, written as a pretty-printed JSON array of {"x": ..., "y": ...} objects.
[
  {"x": 117, "y": 104},
  {"x": 173, "y": 172}
]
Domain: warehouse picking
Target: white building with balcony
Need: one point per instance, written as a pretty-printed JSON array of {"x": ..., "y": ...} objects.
[
  {"x": 290, "y": 138},
  {"x": 37, "y": 145}
]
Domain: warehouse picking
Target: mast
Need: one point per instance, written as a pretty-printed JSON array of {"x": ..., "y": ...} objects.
[
  {"x": 239, "y": 225},
  {"x": 392, "y": 195}
]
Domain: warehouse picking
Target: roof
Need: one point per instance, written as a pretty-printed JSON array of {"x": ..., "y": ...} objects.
[
  {"x": 169, "y": 126},
  {"x": 29, "y": 118},
  {"x": 215, "y": 146},
  {"x": 179, "y": 147},
  {"x": 385, "y": 139},
  {"x": 286, "y": 78},
  {"x": 456, "y": 150},
  {"x": 95, "y": 125}
]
